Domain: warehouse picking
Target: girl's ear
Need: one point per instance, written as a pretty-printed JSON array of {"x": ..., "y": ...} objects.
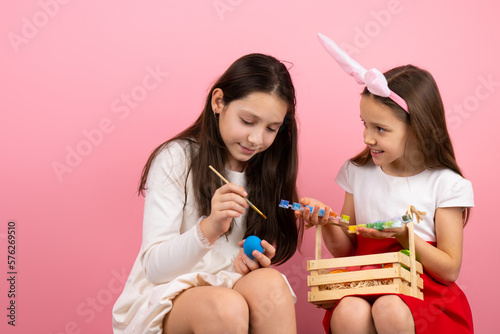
[{"x": 217, "y": 103}]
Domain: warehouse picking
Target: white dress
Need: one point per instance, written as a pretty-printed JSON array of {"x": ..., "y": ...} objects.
[{"x": 173, "y": 256}]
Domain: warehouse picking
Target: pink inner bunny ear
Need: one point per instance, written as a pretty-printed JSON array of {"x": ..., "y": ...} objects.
[
  {"x": 349, "y": 65},
  {"x": 374, "y": 80},
  {"x": 377, "y": 83}
]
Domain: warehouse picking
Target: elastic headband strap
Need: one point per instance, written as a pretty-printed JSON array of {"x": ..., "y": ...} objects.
[
  {"x": 399, "y": 100},
  {"x": 375, "y": 81}
]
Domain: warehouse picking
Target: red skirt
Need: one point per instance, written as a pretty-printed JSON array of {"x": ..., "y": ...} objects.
[{"x": 445, "y": 309}]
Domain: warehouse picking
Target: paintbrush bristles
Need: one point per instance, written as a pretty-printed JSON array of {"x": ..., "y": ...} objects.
[
  {"x": 226, "y": 181},
  {"x": 255, "y": 208}
]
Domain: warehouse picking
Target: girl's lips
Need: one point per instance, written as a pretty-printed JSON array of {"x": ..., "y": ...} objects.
[
  {"x": 246, "y": 150},
  {"x": 375, "y": 153}
]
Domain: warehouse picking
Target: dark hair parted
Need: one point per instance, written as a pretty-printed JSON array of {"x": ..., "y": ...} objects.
[
  {"x": 271, "y": 175},
  {"x": 426, "y": 118}
]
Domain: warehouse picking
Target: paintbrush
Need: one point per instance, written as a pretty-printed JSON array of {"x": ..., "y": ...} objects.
[{"x": 246, "y": 199}]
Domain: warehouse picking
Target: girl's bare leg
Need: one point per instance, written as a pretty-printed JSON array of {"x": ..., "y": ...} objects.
[
  {"x": 270, "y": 301},
  {"x": 208, "y": 309},
  {"x": 352, "y": 315},
  {"x": 392, "y": 315}
]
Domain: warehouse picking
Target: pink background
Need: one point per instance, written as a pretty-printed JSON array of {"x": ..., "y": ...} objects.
[{"x": 81, "y": 112}]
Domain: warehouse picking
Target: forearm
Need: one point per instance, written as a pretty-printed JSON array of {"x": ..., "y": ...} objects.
[
  {"x": 337, "y": 241},
  {"x": 444, "y": 261},
  {"x": 169, "y": 259},
  {"x": 437, "y": 263}
]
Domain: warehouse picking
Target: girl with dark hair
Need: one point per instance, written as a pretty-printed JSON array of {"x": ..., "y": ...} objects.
[
  {"x": 191, "y": 275},
  {"x": 408, "y": 160}
]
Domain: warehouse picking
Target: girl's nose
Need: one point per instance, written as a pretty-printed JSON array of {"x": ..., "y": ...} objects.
[
  {"x": 368, "y": 138},
  {"x": 255, "y": 137}
]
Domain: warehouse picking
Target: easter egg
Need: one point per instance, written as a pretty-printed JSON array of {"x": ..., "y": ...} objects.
[
  {"x": 252, "y": 243},
  {"x": 406, "y": 252},
  {"x": 337, "y": 271}
]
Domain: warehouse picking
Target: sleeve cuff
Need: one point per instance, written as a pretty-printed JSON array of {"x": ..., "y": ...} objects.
[{"x": 200, "y": 236}]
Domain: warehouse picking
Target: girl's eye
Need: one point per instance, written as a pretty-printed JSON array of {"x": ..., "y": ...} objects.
[
  {"x": 380, "y": 129},
  {"x": 246, "y": 122},
  {"x": 272, "y": 130}
]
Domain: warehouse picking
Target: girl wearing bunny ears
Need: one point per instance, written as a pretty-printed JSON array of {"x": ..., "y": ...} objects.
[{"x": 408, "y": 159}]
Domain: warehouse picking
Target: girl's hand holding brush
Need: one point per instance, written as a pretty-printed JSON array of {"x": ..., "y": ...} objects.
[{"x": 227, "y": 203}]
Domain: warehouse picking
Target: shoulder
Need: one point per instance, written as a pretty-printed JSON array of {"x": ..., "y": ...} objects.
[
  {"x": 351, "y": 175},
  {"x": 176, "y": 148},
  {"x": 446, "y": 177},
  {"x": 451, "y": 188},
  {"x": 350, "y": 167},
  {"x": 172, "y": 161}
]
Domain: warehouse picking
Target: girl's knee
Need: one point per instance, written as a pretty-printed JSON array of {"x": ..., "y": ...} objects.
[
  {"x": 224, "y": 310},
  {"x": 268, "y": 283},
  {"x": 391, "y": 312},
  {"x": 352, "y": 307},
  {"x": 270, "y": 279},
  {"x": 229, "y": 313},
  {"x": 352, "y": 314},
  {"x": 228, "y": 305},
  {"x": 208, "y": 310},
  {"x": 390, "y": 305},
  {"x": 269, "y": 299}
]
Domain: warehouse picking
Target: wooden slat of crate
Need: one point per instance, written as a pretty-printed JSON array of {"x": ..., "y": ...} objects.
[
  {"x": 319, "y": 269},
  {"x": 406, "y": 275},
  {"x": 314, "y": 273},
  {"x": 407, "y": 290},
  {"x": 332, "y": 295},
  {"x": 362, "y": 260},
  {"x": 356, "y": 276},
  {"x": 353, "y": 276},
  {"x": 361, "y": 275},
  {"x": 321, "y": 297}
]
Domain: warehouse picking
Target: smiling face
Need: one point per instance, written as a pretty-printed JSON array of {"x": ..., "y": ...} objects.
[
  {"x": 249, "y": 125},
  {"x": 389, "y": 138}
]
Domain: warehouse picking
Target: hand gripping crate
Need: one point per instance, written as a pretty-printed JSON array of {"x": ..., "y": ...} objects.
[{"x": 326, "y": 288}]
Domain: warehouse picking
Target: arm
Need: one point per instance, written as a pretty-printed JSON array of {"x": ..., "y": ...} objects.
[
  {"x": 444, "y": 261},
  {"x": 175, "y": 239},
  {"x": 170, "y": 247},
  {"x": 178, "y": 253},
  {"x": 337, "y": 241}
]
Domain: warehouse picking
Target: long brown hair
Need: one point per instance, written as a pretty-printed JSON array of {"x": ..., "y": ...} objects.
[
  {"x": 426, "y": 119},
  {"x": 271, "y": 175}
]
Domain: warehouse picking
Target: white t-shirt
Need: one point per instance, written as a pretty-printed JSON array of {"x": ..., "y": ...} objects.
[{"x": 379, "y": 196}]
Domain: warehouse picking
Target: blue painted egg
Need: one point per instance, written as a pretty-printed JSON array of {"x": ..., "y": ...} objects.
[{"x": 252, "y": 243}]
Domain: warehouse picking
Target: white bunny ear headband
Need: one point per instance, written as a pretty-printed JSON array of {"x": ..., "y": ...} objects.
[{"x": 374, "y": 80}]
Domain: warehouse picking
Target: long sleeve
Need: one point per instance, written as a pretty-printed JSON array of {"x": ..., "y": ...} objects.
[
  {"x": 172, "y": 241},
  {"x": 174, "y": 257}
]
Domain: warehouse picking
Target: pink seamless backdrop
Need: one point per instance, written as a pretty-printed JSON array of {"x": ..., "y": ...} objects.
[{"x": 89, "y": 88}]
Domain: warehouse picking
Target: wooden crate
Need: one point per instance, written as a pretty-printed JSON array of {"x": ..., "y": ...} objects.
[{"x": 328, "y": 288}]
